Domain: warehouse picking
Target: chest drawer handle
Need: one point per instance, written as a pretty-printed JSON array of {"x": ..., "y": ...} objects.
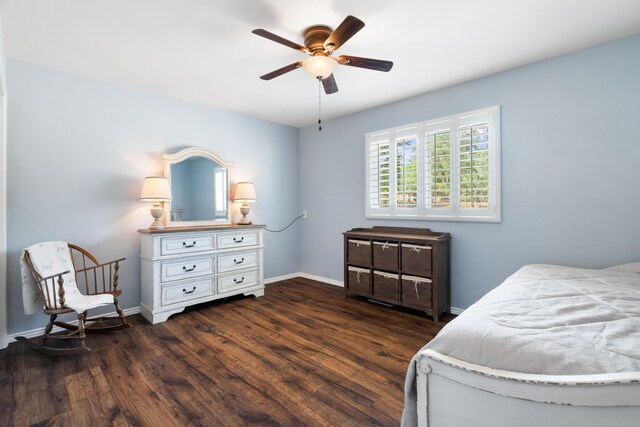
[
  {"x": 240, "y": 240},
  {"x": 189, "y": 292},
  {"x": 415, "y": 283},
  {"x": 238, "y": 262},
  {"x": 188, "y": 269},
  {"x": 237, "y": 282},
  {"x": 184, "y": 244}
]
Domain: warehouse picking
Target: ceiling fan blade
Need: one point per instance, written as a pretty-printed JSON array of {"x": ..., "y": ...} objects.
[
  {"x": 267, "y": 35},
  {"x": 347, "y": 29},
  {"x": 330, "y": 85},
  {"x": 371, "y": 64},
  {"x": 281, "y": 71}
]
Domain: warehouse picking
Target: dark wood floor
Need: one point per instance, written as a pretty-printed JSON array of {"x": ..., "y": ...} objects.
[{"x": 300, "y": 355}]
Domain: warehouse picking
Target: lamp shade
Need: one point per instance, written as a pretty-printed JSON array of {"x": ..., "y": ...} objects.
[
  {"x": 319, "y": 66},
  {"x": 155, "y": 188},
  {"x": 245, "y": 192}
]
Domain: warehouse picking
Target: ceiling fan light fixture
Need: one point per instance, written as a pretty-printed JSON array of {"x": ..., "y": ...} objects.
[{"x": 319, "y": 66}]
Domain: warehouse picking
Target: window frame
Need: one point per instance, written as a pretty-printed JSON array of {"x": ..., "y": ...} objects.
[{"x": 455, "y": 213}]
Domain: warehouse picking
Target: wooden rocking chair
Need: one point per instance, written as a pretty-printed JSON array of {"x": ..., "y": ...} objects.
[{"x": 98, "y": 281}]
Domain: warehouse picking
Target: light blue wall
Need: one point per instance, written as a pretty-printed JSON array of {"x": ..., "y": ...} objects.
[
  {"x": 570, "y": 170},
  {"x": 79, "y": 149}
]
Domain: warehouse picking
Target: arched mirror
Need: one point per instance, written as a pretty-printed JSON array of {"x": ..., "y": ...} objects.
[{"x": 199, "y": 181}]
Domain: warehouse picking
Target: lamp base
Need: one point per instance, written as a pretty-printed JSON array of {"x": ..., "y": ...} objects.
[
  {"x": 156, "y": 213},
  {"x": 244, "y": 210}
]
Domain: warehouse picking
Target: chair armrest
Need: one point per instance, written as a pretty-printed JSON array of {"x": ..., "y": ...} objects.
[
  {"x": 53, "y": 276},
  {"x": 101, "y": 278},
  {"x": 104, "y": 264}
]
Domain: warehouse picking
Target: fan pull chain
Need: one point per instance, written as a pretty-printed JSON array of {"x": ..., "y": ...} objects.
[{"x": 319, "y": 103}]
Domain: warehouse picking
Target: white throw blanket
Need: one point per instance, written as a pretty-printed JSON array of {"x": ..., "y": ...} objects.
[
  {"x": 549, "y": 320},
  {"x": 49, "y": 258}
]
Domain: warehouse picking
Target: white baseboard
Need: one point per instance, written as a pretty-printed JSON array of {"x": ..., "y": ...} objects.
[
  {"x": 40, "y": 331},
  {"x": 280, "y": 278},
  {"x": 323, "y": 279},
  {"x": 306, "y": 276},
  {"x": 454, "y": 310}
]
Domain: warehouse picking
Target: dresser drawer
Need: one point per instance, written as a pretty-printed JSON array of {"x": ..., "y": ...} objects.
[
  {"x": 359, "y": 252},
  {"x": 187, "y": 267},
  {"x": 416, "y": 291},
  {"x": 187, "y": 290},
  {"x": 241, "y": 279},
  {"x": 237, "y": 240},
  {"x": 385, "y": 255},
  {"x": 416, "y": 259},
  {"x": 188, "y": 244},
  {"x": 358, "y": 280},
  {"x": 386, "y": 285},
  {"x": 237, "y": 261}
]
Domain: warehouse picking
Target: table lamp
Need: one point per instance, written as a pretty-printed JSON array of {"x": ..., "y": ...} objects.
[
  {"x": 245, "y": 193},
  {"x": 156, "y": 190}
]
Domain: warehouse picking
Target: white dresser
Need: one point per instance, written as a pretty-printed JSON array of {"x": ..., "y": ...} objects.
[{"x": 191, "y": 265}]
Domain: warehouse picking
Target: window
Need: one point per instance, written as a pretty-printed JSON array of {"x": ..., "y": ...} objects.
[
  {"x": 221, "y": 192},
  {"x": 443, "y": 169}
]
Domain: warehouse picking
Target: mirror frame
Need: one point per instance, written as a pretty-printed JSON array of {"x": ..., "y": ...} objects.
[{"x": 187, "y": 153}]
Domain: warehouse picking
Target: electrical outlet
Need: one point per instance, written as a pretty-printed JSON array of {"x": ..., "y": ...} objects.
[{"x": 304, "y": 214}]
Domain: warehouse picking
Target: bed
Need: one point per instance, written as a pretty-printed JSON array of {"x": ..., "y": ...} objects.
[{"x": 551, "y": 346}]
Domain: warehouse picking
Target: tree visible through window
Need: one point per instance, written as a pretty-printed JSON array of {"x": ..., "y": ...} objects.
[
  {"x": 474, "y": 166},
  {"x": 407, "y": 172}
]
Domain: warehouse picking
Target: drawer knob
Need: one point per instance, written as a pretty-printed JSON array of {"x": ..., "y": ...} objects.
[
  {"x": 189, "y": 246},
  {"x": 238, "y": 262},
  {"x": 240, "y": 240},
  {"x": 189, "y": 292},
  {"x": 237, "y": 282},
  {"x": 189, "y": 269}
]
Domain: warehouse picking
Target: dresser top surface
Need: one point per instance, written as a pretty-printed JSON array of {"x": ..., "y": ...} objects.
[
  {"x": 225, "y": 227},
  {"x": 397, "y": 233}
]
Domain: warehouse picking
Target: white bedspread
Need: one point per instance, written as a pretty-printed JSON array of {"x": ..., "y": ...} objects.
[{"x": 547, "y": 319}]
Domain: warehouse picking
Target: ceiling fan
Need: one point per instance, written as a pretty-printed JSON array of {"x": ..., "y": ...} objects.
[{"x": 320, "y": 42}]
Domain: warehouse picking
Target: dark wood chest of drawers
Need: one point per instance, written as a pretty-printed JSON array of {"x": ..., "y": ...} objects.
[{"x": 401, "y": 266}]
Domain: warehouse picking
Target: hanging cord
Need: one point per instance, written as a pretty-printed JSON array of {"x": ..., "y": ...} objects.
[
  {"x": 319, "y": 103},
  {"x": 290, "y": 224}
]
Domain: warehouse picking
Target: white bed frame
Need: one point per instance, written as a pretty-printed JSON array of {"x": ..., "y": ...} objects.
[{"x": 453, "y": 393}]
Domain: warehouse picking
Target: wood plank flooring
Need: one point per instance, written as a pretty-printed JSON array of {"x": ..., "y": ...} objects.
[{"x": 300, "y": 355}]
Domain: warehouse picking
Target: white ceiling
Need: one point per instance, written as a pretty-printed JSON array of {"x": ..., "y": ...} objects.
[{"x": 203, "y": 50}]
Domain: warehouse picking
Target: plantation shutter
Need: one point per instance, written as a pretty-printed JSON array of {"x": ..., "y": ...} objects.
[
  {"x": 380, "y": 175},
  {"x": 477, "y": 175},
  {"x": 437, "y": 182},
  {"x": 443, "y": 169}
]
